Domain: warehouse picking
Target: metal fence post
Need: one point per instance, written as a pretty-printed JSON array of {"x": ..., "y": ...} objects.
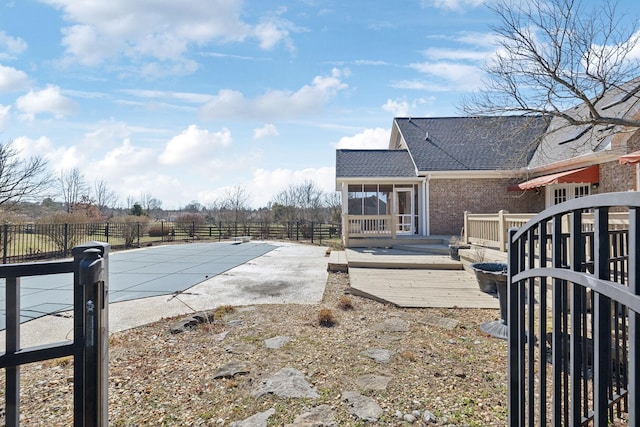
[
  {"x": 66, "y": 240},
  {"x": 5, "y": 242},
  {"x": 91, "y": 334}
]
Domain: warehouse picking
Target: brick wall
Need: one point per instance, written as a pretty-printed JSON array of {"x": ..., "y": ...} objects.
[
  {"x": 450, "y": 198},
  {"x": 616, "y": 177}
]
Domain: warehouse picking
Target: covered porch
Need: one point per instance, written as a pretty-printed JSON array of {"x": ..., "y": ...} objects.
[{"x": 383, "y": 213}]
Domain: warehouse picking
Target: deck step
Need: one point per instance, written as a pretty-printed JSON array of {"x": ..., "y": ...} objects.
[
  {"x": 337, "y": 262},
  {"x": 433, "y": 248},
  {"x": 396, "y": 259}
]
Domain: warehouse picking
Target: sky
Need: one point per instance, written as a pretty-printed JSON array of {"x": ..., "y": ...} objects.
[{"x": 189, "y": 100}]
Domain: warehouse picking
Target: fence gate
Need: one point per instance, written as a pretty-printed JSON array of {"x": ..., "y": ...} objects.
[
  {"x": 573, "y": 315},
  {"x": 89, "y": 347}
]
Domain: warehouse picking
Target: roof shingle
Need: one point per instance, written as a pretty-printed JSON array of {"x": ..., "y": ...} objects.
[
  {"x": 471, "y": 143},
  {"x": 374, "y": 163}
]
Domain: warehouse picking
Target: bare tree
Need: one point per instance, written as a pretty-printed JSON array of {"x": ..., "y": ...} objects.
[
  {"x": 298, "y": 201},
  {"x": 20, "y": 179},
  {"x": 556, "y": 54},
  {"x": 105, "y": 197},
  {"x": 236, "y": 200},
  {"x": 149, "y": 203},
  {"x": 73, "y": 187}
]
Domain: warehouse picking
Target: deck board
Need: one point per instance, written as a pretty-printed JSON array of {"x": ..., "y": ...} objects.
[{"x": 421, "y": 288}]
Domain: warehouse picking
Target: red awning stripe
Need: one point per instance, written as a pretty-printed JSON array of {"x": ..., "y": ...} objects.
[
  {"x": 630, "y": 158},
  {"x": 589, "y": 175}
]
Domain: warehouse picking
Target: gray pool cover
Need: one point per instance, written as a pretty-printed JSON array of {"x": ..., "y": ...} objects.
[{"x": 140, "y": 273}]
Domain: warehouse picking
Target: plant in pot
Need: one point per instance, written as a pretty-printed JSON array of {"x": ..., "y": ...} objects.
[{"x": 455, "y": 244}]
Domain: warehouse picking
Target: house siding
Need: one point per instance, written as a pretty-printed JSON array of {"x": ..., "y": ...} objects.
[{"x": 450, "y": 198}]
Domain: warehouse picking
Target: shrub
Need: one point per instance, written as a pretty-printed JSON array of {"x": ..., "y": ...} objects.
[
  {"x": 65, "y": 230},
  {"x": 325, "y": 318},
  {"x": 188, "y": 223},
  {"x": 345, "y": 303},
  {"x": 159, "y": 230},
  {"x": 130, "y": 227}
]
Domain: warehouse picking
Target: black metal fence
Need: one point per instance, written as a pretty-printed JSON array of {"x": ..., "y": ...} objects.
[
  {"x": 89, "y": 347},
  {"x": 29, "y": 242},
  {"x": 573, "y": 305}
]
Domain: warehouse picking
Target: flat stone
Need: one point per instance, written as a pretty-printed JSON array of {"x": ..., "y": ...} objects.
[
  {"x": 258, "y": 420},
  {"x": 242, "y": 348},
  {"x": 439, "y": 321},
  {"x": 287, "y": 382},
  {"x": 320, "y": 416},
  {"x": 377, "y": 354},
  {"x": 394, "y": 324},
  {"x": 230, "y": 370},
  {"x": 363, "y": 407},
  {"x": 276, "y": 342},
  {"x": 373, "y": 382},
  {"x": 186, "y": 324}
]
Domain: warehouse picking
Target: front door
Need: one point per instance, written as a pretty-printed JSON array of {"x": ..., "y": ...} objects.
[{"x": 404, "y": 210}]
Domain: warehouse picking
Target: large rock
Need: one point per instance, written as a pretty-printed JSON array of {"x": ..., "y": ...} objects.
[
  {"x": 362, "y": 407},
  {"x": 320, "y": 416},
  {"x": 377, "y": 354},
  {"x": 231, "y": 369},
  {"x": 258, "y": 420},
  {"x": 287, "y": 382},
  {"x": 373, "y": 382},
  {"x": 394, "y": 325},
  {"x": 276, "y": 342}
]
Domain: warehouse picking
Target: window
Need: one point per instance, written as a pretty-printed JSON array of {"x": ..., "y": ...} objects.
[{"x": 561, "y": 193}]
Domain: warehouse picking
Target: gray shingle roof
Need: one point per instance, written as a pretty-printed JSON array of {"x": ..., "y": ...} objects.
[
  {"x": 471, "y": 143},
  {"x": 563, "y": 141},
  {"x": 374, "y": 163}
]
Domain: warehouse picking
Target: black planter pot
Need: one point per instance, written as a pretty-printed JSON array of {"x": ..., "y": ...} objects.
[
  {"x": 498, "y": 328},
  {"x": 489, "y": 274},
  {"x": 454, "y": 251}
]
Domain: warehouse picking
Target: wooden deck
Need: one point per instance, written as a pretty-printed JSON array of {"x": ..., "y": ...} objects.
[
  {"x": 420, "y": 288},
  {"x": 407, "y": 279}
]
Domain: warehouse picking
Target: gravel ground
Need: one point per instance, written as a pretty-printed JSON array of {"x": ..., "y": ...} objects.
[{"x": 440, "y": 362}]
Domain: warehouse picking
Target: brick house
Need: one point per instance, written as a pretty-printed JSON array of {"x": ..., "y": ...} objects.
[{"x": 435, "y": 169}]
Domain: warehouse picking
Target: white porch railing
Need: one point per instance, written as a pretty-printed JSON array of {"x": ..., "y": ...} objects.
[
  {"x": 490, "y": 230},
  {"x": 368, "y": 226}
]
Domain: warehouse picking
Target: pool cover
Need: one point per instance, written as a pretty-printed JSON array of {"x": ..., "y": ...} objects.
[{"x": 138, "y": 273}]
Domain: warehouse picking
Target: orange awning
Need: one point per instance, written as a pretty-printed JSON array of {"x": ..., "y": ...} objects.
[
  {"x": 630, "y": 158},
  {"x": 589, "y": 175}
]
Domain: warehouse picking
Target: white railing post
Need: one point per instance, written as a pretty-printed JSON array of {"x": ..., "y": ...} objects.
[
  {"x": 502, "y": 230},
  {"x": 465, "y": 228}
]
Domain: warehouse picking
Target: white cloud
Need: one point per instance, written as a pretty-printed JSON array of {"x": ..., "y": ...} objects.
[
  {"x": 436, "y": 54},
  {"x": 162, "y": 30},
  {"x": 48, "y": 100},
  {"x": 309, "y": 99},
  {"x": 456, "y": 5},
  {"x": 58, "y": 158},
  {"x": 11, "y": 46},
  {"x": 377, "y": 138},
  {"x": 444, "y": 76},
  {"x": 194, "y": 144},
  {"x": 397, "y": 108},
  {"x": 267, "y": 183},
  {"x": 124, "y": 160},
  {"x": 266, "y": 130},
  {"x": 12, "y": 80},
  {"x": 4, "y": 114}
]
